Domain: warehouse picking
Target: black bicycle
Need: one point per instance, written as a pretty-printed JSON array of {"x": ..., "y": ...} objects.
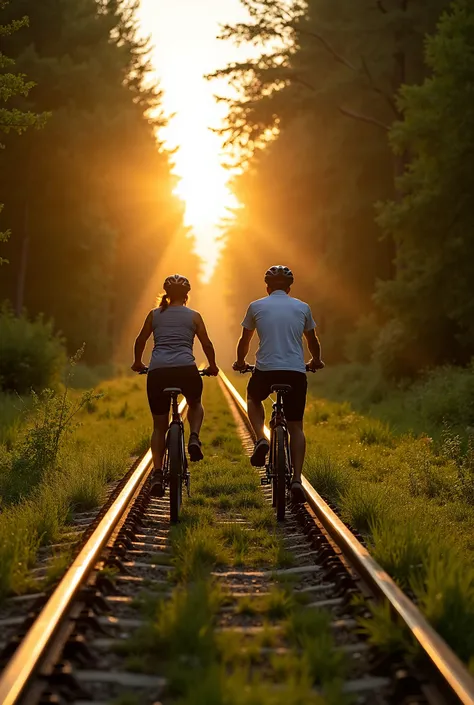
[
  {"x": 175, "y": 465},
  {"x": 279, "y": 468}
]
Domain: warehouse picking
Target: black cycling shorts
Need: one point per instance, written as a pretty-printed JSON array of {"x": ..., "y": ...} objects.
[
  {"x": 260, "y": 384},
  {"x": 186, "y": 378}
]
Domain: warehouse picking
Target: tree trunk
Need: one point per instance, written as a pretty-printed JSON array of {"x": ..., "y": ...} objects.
[{"x": 20, "y": 292}]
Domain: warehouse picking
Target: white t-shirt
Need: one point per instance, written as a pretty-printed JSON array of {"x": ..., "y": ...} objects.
[{"x": 280, "y": 321}]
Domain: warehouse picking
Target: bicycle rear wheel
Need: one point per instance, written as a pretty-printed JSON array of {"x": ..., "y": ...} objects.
[
  {"x": 175, "y": 470},
  {"x": 279, "y": 472}
]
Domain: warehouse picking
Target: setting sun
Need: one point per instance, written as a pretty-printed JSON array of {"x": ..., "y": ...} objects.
[{"x": 184, "y": 33}]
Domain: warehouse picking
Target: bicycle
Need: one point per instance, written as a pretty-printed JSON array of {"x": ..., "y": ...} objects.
[
  {"x": 279, "y": 468},
  {"x": 175, "y": 463}
]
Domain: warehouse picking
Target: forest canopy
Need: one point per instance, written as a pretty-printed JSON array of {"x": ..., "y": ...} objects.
[
  {"x": 353, "y": 130},
  {"x": 88, "y": 199}
]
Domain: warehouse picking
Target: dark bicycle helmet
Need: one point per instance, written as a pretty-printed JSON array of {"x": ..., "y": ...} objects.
[
  {"x": 176, "y": 280},
  {"x": 279, "y": 273}
]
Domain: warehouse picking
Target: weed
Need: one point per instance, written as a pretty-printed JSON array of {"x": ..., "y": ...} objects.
[
  {"x": 384, "y": 632},
  {"x": 326, "y": 476},
  {"x": 446, "y": 595},
  {"x": 376, "y": 433},
  {"x": 309, "y": 630},
  {"x": 363, "y": 505},
  {"x": 197, "y": 551},
  {"x": 402, "y": 547}
]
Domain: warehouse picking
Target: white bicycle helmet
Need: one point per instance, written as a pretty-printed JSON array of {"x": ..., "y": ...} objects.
[
  {"x": 176, "y": 280},
  {"x": 279, "y": 273}
]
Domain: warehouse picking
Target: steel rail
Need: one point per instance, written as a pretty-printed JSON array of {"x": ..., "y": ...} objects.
[
  {"x": 444, "y": 660},
  {"x": 27, "y": 659}
]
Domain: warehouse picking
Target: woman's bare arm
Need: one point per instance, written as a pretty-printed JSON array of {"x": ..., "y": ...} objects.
[
  {"x": 207, "y": 346},
  {"x": 140, "y": 343}
]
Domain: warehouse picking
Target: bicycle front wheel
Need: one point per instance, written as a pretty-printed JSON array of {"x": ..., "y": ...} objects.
[
  {"x": 176, "y": 470},
  {"x": 279, "y": 472}
]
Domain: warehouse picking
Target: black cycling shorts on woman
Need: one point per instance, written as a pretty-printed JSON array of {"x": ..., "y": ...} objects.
[{"x": 172, "y": 364}]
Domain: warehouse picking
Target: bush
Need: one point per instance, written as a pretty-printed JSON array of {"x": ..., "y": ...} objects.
[
  {"x": 446, "y": 396},
  {"x": 32, "y": 356}
]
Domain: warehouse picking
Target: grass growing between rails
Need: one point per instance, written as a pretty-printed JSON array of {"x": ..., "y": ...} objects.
[
  {"x": 182, "y": 639},
  {"x": 413, "y": 499},
  {"x": 63, "y": 455}
]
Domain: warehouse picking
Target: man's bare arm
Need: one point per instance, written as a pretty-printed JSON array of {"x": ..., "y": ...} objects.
[
  {"x": 243, "y": 347},
  {"x": 140, "y": 343},
  {"x": 207, "y": 345},
  {"x": 314, "y": 347}
]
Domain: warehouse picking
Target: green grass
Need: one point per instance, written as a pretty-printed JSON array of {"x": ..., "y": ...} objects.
[
  {"x": 179, "y": 639},
  {"x": 411, "y": 498},
  {"x": 36, "y": 509}
]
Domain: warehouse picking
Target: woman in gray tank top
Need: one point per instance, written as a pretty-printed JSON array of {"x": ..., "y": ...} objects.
[{"x": 172, "y": 364}]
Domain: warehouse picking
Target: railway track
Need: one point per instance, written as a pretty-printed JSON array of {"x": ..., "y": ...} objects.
[{"x": 68, "y": 648}]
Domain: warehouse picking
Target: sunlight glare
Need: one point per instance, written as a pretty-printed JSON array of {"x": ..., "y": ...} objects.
[{"x": 185, "y": 48}]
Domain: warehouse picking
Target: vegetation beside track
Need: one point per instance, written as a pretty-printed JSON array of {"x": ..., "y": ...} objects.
[
  {"x": 50, "y": 468},
  {"x": 413, "y": 500},
  {"x": 181, "y": 639},
  {"x": 412, "y": 497}
]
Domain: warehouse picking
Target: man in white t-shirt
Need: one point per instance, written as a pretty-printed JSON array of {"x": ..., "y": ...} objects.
[{"x": 281, "y": 321}]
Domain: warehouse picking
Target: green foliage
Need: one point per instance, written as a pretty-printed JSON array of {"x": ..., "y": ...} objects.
[
  {"x": 98, "y": 210},
  {"x": 11, "y": 85},
  {"x": 432, "y": 220},
  {"x": 310, "y": 124},
  {"x": 32, "y": 356},
  {"x": 447, "y": 598},
  {"x": 37, "y": 455}
]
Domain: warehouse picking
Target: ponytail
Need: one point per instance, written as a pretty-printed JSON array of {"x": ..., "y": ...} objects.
[{"x": 164, "y": 303}]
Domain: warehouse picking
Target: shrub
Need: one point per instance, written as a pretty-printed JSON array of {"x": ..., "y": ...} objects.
[
  {"x": 52, "y": 422},
  {"x": 31, "y": 354},
  {"x": 446, "y": 396}
]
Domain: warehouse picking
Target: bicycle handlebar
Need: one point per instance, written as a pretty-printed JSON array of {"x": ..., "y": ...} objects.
[
  {"x": 251, "y": 368},
  {"x": 203, "y": 373}
]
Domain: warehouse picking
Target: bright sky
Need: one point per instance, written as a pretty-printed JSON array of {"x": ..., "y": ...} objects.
[{"x": 184, "y": 34}]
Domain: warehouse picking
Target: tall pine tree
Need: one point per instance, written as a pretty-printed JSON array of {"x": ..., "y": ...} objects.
[{"x": 97, "y": 211}]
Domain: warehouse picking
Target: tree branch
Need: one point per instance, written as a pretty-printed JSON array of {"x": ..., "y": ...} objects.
[
  {"x": 338, "y": 57},
  {"x": 379, "y": 90},
  {"x": 364, "y": 118}
]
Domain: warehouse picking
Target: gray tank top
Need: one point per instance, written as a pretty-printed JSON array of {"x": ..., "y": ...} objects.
[{"x": 173, "y": 332}]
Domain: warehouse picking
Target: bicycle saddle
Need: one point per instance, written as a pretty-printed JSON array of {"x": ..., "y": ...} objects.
[
  {"x": 172, "y": 390},
  {"x": 284, "y": 388}
]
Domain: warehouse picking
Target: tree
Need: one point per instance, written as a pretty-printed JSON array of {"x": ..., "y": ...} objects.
[
  {"x": 11, "y": 85},
  {"x": 432, "y": 223},
  {"x": 100, "y": 214},
  {"x": 309, "y": 127}
]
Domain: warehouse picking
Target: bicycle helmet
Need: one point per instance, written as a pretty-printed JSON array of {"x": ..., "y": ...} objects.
[
  {"x": 176, "y": 280},
  {"x": 279, "y": 273}
]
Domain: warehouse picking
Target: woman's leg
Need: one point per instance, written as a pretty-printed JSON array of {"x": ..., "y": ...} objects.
[
  {"x": 195, "y": 416},
  {"x": 160, "y": 426}
]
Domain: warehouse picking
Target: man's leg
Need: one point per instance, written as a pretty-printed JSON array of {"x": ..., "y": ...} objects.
[
  {"x": 160, "y": 426},
  {"x": 256, "y": 417},
  {"x": 297, "y": 447}
]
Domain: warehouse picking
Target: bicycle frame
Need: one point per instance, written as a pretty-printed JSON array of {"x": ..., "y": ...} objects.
[
  {"x": 176, "y": 420},
  {"x": 278, "y": 419}
]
